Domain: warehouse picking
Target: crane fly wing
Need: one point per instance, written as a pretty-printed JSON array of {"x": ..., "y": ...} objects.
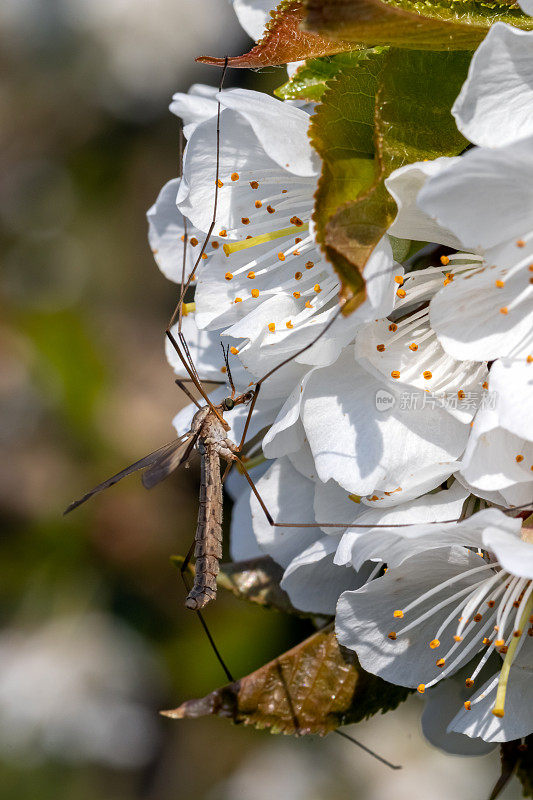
[
  {"x": 169, "y": 461},
  {"x": 180, "y": 445}
]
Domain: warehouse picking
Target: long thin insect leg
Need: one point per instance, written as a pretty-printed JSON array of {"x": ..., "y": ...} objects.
[
  {"x": 278, "y": 366},
  {"x": 227, "y": 470},
  {"x": 249, "y": 416},
  {"x": 367, "y": 750},
  {"x": 186, "y": 391},
  {"x": 203, "y": 623},
  {"x": 185, "y": 235},
  {"x": 192, "y": 376},
  {"x": 185, "y": 346},
  {"x": 186, "y": 285},
  {"x": 274, "y": 524}
]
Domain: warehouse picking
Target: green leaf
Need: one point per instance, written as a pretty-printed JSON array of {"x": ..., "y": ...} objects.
[
  {"x": 309, "y": 81},
  {"x": 313, "y": 688},
  {"x": 411, "y": 24},
  {"x": 392, "y": 110}
]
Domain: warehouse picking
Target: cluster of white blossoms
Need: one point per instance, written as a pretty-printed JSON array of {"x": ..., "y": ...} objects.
[{"x": 414, "y": 411}]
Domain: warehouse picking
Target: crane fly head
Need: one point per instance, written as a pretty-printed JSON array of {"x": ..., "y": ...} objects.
[{"x": 241, "y": 400}]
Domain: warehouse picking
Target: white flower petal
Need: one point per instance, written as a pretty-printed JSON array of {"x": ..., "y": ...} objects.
[
  {"x": 394, "y": 545},
  {"x": 289, "y": 497},
  {"x": 462, "y": 198},
  {"x": 243, "y": 544},
  {"x": 314, "y": 583},
  {"x": 518, "y": 719},
  {"x": 494, "y": 459},
  {"x": 442, "y": 703},
  {"x": 493, "y": 107},
  {"x": 253, "y": 15},
  {"x": 489, "y": 313},
  {"x": 365, "y": 449},
  {"x": 195, "y": 106},
  {"x": 165, "y": 229},
  {"x": 421, "y": 482},
  {"x": 267, "y": 117},
  {"x": 514, "y": 554},
  {"x": 365, "y": 617},
  {"x": 404, "y": 184}
]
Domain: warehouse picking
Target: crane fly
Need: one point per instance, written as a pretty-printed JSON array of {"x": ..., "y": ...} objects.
[{"x": 208, "y": 436}]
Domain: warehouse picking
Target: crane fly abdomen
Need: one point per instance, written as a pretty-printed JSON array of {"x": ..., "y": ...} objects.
[{"x": 208, "y": 539}]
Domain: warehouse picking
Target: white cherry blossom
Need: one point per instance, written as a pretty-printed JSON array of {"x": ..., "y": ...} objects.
[{"x": 443, "y": 605}]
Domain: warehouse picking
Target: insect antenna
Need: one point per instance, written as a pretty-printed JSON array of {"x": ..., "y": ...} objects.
[{"x": 225, "y": 351}]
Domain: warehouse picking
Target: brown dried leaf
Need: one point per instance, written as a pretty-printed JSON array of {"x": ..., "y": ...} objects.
[
  {"x": 284, "y": 41},
  {"x": 312, "y": 689}
]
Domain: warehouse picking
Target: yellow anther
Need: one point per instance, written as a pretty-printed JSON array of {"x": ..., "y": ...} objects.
[
  {"x": 281, "y": 256},
  {"x": 308, "y": 304},
  {"x": 504, "y": 310},
  {"x": 399, "y": 279},
  {"x": 401, "y": 293},
  {"x": 255, "y": 292},
  {"x": 421, "y": 688},
  {"x": 457, "y": 638},
  {"x": 434, "y": 643},
  {"x": 188, "y": 308},
  {"x": 233, "y": 351},
  {"x": 289, "y": 324},
  {"x": 444, "y": 260},
  {"x": 234, "y": 176},
  {"x": 468, "y": 705},
  {"x": 395, "y": 374},
  {"x": 251, "y": 275},
  {"x": 317, "y": 288},
  {"x": 238, "y": 300},
  {"x": 296, "y": 295},
  {"x": 271, "y": 327},
  {"x": 413, "y": 347},
  {"x": 440, "y": 662},
  {"x": 499, "y": 284},
  {"x": 398, "y": 613},
  {"x": 427, "y": 375},
  {"x": 355, "y": 498}
]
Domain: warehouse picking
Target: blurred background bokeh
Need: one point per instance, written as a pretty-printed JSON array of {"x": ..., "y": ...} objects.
[{"x": 94, "y": 637}]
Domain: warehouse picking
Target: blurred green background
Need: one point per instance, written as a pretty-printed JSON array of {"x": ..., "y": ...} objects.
[{"x": 95, "y": 639}]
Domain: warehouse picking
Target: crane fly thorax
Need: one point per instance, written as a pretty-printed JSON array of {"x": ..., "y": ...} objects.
[{"x": 212, "y": 433}]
